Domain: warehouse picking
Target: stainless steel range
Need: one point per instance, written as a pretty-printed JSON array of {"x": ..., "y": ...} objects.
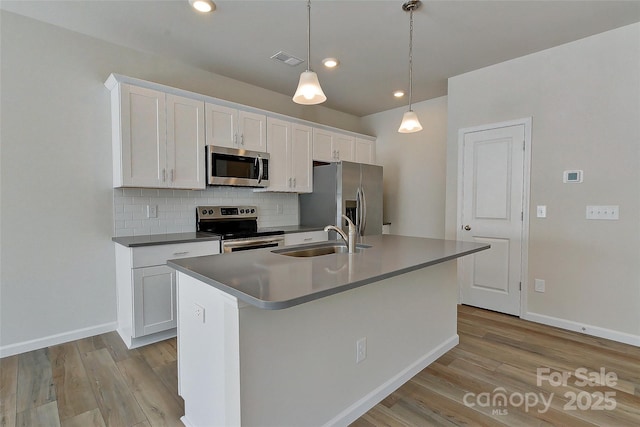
[{"x": 237, "y": 227}]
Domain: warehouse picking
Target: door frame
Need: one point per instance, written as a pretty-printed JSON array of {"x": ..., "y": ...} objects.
[{"x": 526, "y": 192}]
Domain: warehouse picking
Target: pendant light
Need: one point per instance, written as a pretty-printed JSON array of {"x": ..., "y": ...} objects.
[
  {"x": 410, "y": 122},
  {"x": 309, "y": 91}
]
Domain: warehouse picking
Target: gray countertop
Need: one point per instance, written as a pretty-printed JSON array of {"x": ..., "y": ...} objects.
[
  {"x": 273, "y": 281},
  {"x": 196, "y": 236},
  {"x": 164, "y": 239}
]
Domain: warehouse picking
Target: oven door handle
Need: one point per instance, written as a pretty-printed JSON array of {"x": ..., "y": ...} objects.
[{"x": 232, "y": 244}]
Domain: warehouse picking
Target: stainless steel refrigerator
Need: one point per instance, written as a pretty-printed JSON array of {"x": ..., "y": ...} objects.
[{"x": 352, "y": 189}]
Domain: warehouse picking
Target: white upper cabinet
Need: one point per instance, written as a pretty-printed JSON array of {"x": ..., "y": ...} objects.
[
  {"x": 185, "y": 142},
  {"x": 158, "y": 139},
  {"x": 344, "y": 147},
  {"x": 365, "y": 151},
  {"x": 331, "y": 146},
  {"x": 290, "y": 163},
  {"x": 232, "y": 128}
]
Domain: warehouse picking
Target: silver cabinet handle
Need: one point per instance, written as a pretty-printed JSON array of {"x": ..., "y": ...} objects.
[
  {"x": 235, "y": 139},
  {"x": 467, "y": 227},
  {"x": 242, "y": 139},
  {"x": 294, "y": 183},
  {"x": 181, "y": 253},
  {"x": 289, "y": 182},
  {"x": 164, "y": 175},
  {"x": 308, "y": 239},
  {"x": 172, "y": 176}
]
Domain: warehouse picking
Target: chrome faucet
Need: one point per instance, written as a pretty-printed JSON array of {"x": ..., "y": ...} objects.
[{"x": 350, "y": 239}]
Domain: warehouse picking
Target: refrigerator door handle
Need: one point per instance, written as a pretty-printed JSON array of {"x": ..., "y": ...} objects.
[
  {"x": 364, "y": 212},
  {"x": 358, "y": 216}
]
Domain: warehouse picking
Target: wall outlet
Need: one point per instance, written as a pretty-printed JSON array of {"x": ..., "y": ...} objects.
[
  {"x": 152, "y": 211},
  {"x": 199, "y": 312},
  {"x": 361, "y": 349},
  {"x": 539, "y": 285}
]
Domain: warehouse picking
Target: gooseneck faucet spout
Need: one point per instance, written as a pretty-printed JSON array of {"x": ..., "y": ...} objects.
[{"x": 350, "y": 239}]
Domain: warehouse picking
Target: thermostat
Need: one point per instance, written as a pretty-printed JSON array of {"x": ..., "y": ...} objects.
[{"x": 572, "y": 176}]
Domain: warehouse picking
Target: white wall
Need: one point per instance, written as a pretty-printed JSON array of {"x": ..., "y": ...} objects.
[
  {"x": 584, "y": 98},
  {"x": 414, "y": 168},
  {"x": 57, "y": 276}
]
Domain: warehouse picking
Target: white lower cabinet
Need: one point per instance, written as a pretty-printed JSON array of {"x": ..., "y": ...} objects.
[
  {"x": 291, "y": 239},
  {"x": 147, "y": 289},
  {"x": 154, "y": 300}
]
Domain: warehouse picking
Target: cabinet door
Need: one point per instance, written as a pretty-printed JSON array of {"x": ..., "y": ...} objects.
[
  {"x": 143, "y": 137},
  {"x": 365, "y": 151},
  {"x": 301, "y": 161},
  {"x": 252, "y": 131},
  {"x": 344, "y": 146},
  {"x": 154, "y": 300},
  {"x": 185, "y": 142},
  {"x": 323, "y": 146},
  {"x": 221, "y": 126},
  {"x": 279, "y": 146}
]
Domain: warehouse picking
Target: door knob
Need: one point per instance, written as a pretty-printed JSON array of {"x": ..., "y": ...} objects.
[{"x": 467, "y": 227}]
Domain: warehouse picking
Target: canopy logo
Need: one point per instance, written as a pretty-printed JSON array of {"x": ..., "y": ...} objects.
[{"x": 499, "y": 400}]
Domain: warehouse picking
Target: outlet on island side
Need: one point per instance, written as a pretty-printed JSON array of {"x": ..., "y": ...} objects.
[
  {"x": 361, "y": 349},
  {"x": 199, "y": 312}
]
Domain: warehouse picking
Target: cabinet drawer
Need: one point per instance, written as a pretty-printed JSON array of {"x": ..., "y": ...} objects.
[
  {"x": 306, "y": 237},
  {"x": 158, "y": 255}
]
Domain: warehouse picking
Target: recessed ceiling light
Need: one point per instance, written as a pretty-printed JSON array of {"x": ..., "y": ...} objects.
[
  {"x": 330, "y": 62},
  {"x": 203, "y": 5},
  {"x": 398, "y": 93}
]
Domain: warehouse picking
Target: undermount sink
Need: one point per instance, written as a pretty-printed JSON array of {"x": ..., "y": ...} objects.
[{"x": 333, "y": 248}]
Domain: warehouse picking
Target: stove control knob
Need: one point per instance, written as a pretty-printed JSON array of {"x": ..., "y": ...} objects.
[
  {"x": 210, "y": 211},
  {"x": 204, "y": 211},
  {"x": 253, "y": 211},
  {"x": 241, "y": 211}
]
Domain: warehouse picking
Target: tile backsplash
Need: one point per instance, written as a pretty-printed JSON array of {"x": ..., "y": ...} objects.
[{"x": 177, "y": 213}]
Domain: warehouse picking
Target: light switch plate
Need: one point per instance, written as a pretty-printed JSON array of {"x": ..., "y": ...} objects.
[
  {"x": 609, "y": 212},
  {"x": 541, "y": 211}
]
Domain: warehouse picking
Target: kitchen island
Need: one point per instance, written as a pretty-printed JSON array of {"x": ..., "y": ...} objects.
[{"x": 270, "y": 339}]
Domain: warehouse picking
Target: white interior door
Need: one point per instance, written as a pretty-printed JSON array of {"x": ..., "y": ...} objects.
[{"x": 492, "y": 212}]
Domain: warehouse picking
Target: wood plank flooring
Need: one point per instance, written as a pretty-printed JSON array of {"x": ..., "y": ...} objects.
[{"x": 98, "y": 382}]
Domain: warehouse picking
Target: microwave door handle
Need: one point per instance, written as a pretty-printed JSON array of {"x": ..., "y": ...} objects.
[{"x": 260, "y": 169}]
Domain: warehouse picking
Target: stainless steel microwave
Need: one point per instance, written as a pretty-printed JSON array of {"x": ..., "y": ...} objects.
[{"x": 239, "y": 168}]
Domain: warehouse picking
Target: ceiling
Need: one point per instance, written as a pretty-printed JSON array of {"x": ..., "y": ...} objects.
[{"x": 370, "y": 38}]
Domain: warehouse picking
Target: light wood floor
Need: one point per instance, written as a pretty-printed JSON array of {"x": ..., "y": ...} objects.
[{"x": 98, "y": 382}]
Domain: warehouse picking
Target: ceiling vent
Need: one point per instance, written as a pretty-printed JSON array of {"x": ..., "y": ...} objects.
[{"x": 287, "y": 58}]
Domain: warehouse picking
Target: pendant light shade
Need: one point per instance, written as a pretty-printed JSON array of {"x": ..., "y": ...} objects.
[
  {"x": 309, "y": 91},
  {"x": 410, "y": 122}
]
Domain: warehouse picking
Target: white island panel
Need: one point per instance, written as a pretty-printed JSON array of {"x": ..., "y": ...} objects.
[{"x": 297, "y": 366}]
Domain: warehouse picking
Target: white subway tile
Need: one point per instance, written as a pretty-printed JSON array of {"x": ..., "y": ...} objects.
[{"x": 131, "y": 191}]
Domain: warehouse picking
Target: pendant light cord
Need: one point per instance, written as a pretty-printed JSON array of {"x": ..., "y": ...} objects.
[
  {"x": 308, "y": 35},
  {"x": 410, "y": 55}
]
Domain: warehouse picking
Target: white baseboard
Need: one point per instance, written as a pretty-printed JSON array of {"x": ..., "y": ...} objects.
[
  {"x": 360, "y": 407},
  {"x": 25, "y": 346},
  {"x": 595, "y": 331}
]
